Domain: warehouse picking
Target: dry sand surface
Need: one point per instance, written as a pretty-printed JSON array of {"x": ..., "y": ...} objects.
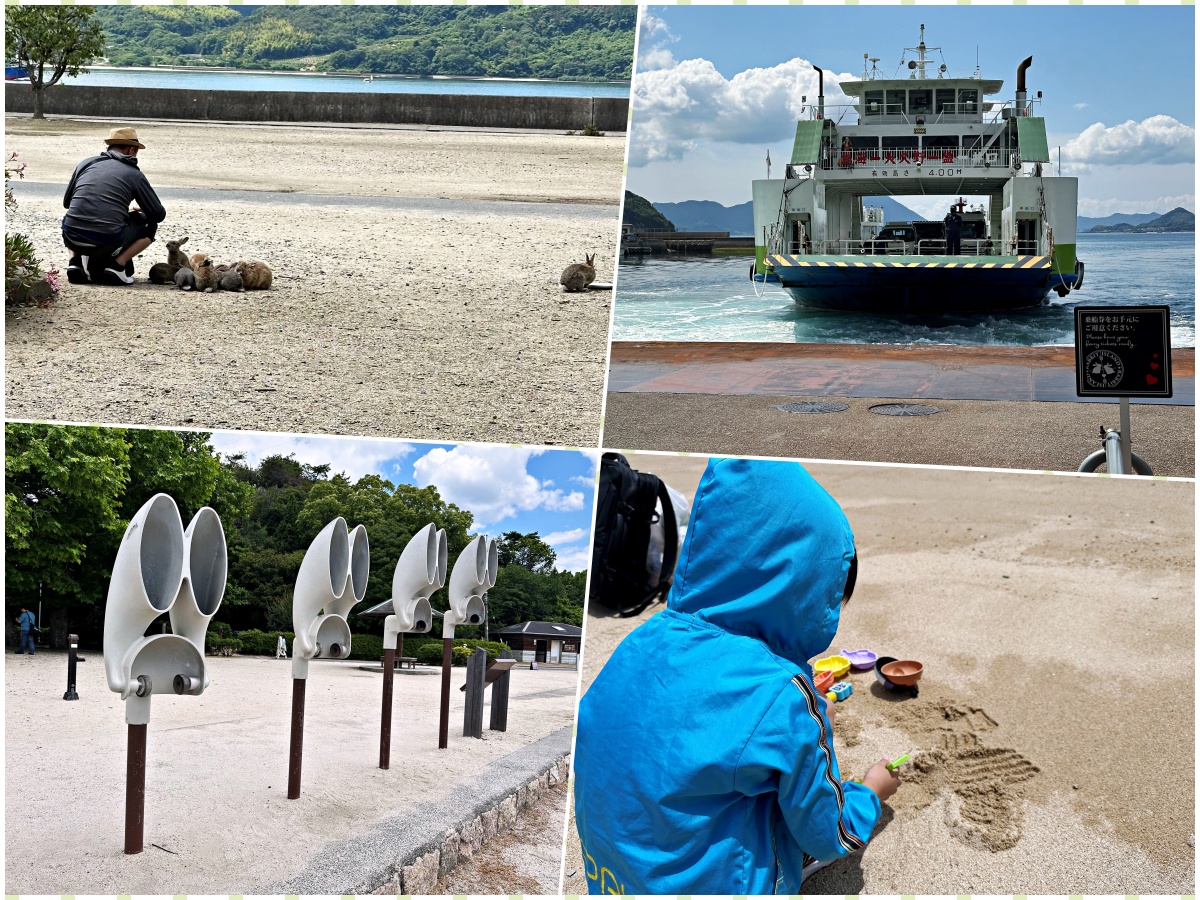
[
  {"x": 416, "y": 284},
  {"x": 216, "y": 780},
  {"x": 1053, "y": 737}
]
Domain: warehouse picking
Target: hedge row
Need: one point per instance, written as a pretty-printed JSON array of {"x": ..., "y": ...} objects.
[{"x": 363, "y": 646}]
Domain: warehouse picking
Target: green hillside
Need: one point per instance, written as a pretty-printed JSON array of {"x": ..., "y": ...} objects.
[
  {"x": 561, "y": 42},
  {"x": 639, "y": 215}
]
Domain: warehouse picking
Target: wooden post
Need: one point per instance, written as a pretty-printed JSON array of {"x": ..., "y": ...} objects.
[
  {"x": 499, "y": 720},
  {"x": 473, "y": 713},
  {"x": 135, "y": 789},
  {"x": 385, "y": 721},
  {"x": 444, "y": 719},
  {"x": 296, "y": 750}
]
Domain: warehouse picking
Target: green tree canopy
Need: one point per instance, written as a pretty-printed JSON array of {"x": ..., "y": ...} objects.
[{"x": 51, "y": 41}]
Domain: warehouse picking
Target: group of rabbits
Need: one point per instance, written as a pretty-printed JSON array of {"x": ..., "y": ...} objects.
[{"x": 198, "y": 272}]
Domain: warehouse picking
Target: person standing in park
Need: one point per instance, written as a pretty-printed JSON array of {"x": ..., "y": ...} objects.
[
  {"x": 112, "y": 213},
  {"x": 281, "y": 648},
  {"x": 27, "y": 623}
]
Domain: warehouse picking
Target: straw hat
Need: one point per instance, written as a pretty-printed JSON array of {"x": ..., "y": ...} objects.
[{"x": 125, "y": 137}]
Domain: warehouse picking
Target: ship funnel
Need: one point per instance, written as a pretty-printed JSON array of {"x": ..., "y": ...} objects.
[
  {"x": 820, "y": 92},
  {"x": 1028, "y": 61}
]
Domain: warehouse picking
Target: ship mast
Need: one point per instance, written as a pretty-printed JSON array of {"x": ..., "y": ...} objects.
[{"x": 918, "y": 64}]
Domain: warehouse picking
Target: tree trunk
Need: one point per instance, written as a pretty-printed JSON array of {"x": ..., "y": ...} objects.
[
  {"x": 60, "y": 625},
  {"x": 38, "y": 102}
]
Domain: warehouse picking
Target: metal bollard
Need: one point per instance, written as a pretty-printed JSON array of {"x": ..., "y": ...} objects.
[{"x": 72, "y": 658}]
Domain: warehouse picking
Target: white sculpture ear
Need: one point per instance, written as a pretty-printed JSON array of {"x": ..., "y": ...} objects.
[
  {"x": 206, "y": 566},
  {"x": 420, "y": 572},
  {"x": 161, "y": 568},
  {"x": 332, "y": 579},
  {"x": 474, "y": 572}
]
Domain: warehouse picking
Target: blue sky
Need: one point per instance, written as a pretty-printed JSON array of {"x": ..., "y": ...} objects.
[
  {"x": 717, "y": 87},
  {"x": 522, "y": 489}
]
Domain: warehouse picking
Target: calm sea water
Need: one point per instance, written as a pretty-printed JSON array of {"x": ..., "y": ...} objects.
[
  {"x": 712, "y": 299},
  {"x": 379, "y": 84}
]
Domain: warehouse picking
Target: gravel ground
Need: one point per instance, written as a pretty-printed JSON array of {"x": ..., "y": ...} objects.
[
  {"x": 216, "y": 779},
  {"x": 416, "y": 284},
  {"x": 1056, "y": 723}
]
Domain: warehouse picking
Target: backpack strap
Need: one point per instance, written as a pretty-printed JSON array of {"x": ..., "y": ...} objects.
[{"x": 670, "y": 552}]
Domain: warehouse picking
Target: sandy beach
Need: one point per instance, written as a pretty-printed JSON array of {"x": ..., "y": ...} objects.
[
  {"x": 217, "y": 768},
  {"x": 1053, "y": 738},
  {"x": 410, "y": 265}
]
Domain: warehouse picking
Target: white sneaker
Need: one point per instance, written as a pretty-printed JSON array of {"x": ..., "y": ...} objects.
[
  {"x": 118, "y": 274},
  {"x": 813, "y": 867}
]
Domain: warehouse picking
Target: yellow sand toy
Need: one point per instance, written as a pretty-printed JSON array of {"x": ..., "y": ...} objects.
[{"x": 838, "y": 665}]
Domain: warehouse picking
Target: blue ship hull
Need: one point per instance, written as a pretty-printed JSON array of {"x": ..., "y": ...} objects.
[{"x": 917, "y": 284}]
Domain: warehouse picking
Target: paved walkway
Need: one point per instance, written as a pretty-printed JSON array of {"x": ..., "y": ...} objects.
[{"x": 940, "y": 372}]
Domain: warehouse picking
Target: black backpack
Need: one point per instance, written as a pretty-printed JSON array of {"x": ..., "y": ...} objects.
[{"x": 625, "y": 512}]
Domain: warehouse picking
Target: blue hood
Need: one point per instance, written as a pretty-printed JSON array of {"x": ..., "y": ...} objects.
[{"x": 750, "y": 571}]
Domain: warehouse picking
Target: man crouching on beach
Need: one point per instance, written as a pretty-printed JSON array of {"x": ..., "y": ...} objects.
[
  {"x": 704, "y": 758},
  {"x": 101, "y": 228}
]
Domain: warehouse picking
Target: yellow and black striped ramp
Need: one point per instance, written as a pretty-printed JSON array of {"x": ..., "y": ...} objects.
[{"x": 783, "y": 260}]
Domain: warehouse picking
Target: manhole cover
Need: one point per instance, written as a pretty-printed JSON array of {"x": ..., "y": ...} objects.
[
  {"x": 905, "y": 409},
  {"x": 813, "y": 407}
]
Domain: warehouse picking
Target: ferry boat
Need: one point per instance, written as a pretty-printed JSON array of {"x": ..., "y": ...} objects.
[
  {"x": 14, "y": 72},
  {"x": 929, "y": 133}
]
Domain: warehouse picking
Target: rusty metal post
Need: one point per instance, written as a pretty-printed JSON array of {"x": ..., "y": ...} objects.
[
  {"x": 73, "y": 642},
  {"x": 385, "y": 722},
  {"x": 135, "y": 789},
  {"x": 444, "y": 720},
  {"x": 296, "y": 750}
]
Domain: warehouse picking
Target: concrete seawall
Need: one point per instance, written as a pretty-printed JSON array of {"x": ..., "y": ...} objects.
[{"x": 448, "y": 110}]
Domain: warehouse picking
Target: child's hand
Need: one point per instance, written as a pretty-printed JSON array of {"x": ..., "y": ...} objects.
[
  {"x": 830, "y": 710},
  {"x": 881, "y": 781}
]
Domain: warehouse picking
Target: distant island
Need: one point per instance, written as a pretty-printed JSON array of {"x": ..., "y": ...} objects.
[
  {"x": 578, "y": 43},
  {"x": 1177, "y": 220}
]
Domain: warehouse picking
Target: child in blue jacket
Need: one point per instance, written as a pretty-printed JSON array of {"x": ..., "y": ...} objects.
[{"x": 704, "y": 758}]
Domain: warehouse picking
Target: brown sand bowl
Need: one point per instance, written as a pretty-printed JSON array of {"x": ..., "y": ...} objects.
[{"x": 903, "y": 671}]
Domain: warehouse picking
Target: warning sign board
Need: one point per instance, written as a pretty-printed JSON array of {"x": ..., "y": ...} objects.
[{"x": 1123, "y": 351}]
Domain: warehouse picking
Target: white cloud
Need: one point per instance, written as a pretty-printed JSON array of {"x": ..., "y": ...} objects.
[
  {"x": 676, "y": 107},
  {"x": 1159, "y": 140},
  {"x": 1080, "y": 106},
  {"x": 1098, "y": 209},
  {"x": 555, "y": 538},
  {"x": 492, "y": 482},
  {"x": 355, "y": 457},
  {"x": 575, "y": 559},
  {"x": 653, "y": 37}
]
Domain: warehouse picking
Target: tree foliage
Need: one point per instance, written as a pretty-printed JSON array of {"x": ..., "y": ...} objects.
[
  {"x": 561, "y": 42},
  {"x": 70, "y": 492},
  {"x": 51, "y": 42}
]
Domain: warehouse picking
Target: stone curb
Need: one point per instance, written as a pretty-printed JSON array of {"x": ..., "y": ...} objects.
[{"x": 408, "y": 854}]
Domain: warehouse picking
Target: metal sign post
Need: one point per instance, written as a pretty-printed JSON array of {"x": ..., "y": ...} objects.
[
  {"x": 1122, "y": 352},
  {"x": 72, "y": 656}
]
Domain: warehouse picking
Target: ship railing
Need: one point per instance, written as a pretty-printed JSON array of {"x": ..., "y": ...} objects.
[
  {"x": 847, "y": 159},
  {"x": 885, "y": 247}
]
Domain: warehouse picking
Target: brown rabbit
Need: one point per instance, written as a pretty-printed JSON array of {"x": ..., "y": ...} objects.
[
  {"x": 256, "y": 275},
  {"x": 206, "y": 275},
  {"x": 164, "y": 273},
  {"x": 196, "y": 259},
  {"x": 577, "y": 276}
]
